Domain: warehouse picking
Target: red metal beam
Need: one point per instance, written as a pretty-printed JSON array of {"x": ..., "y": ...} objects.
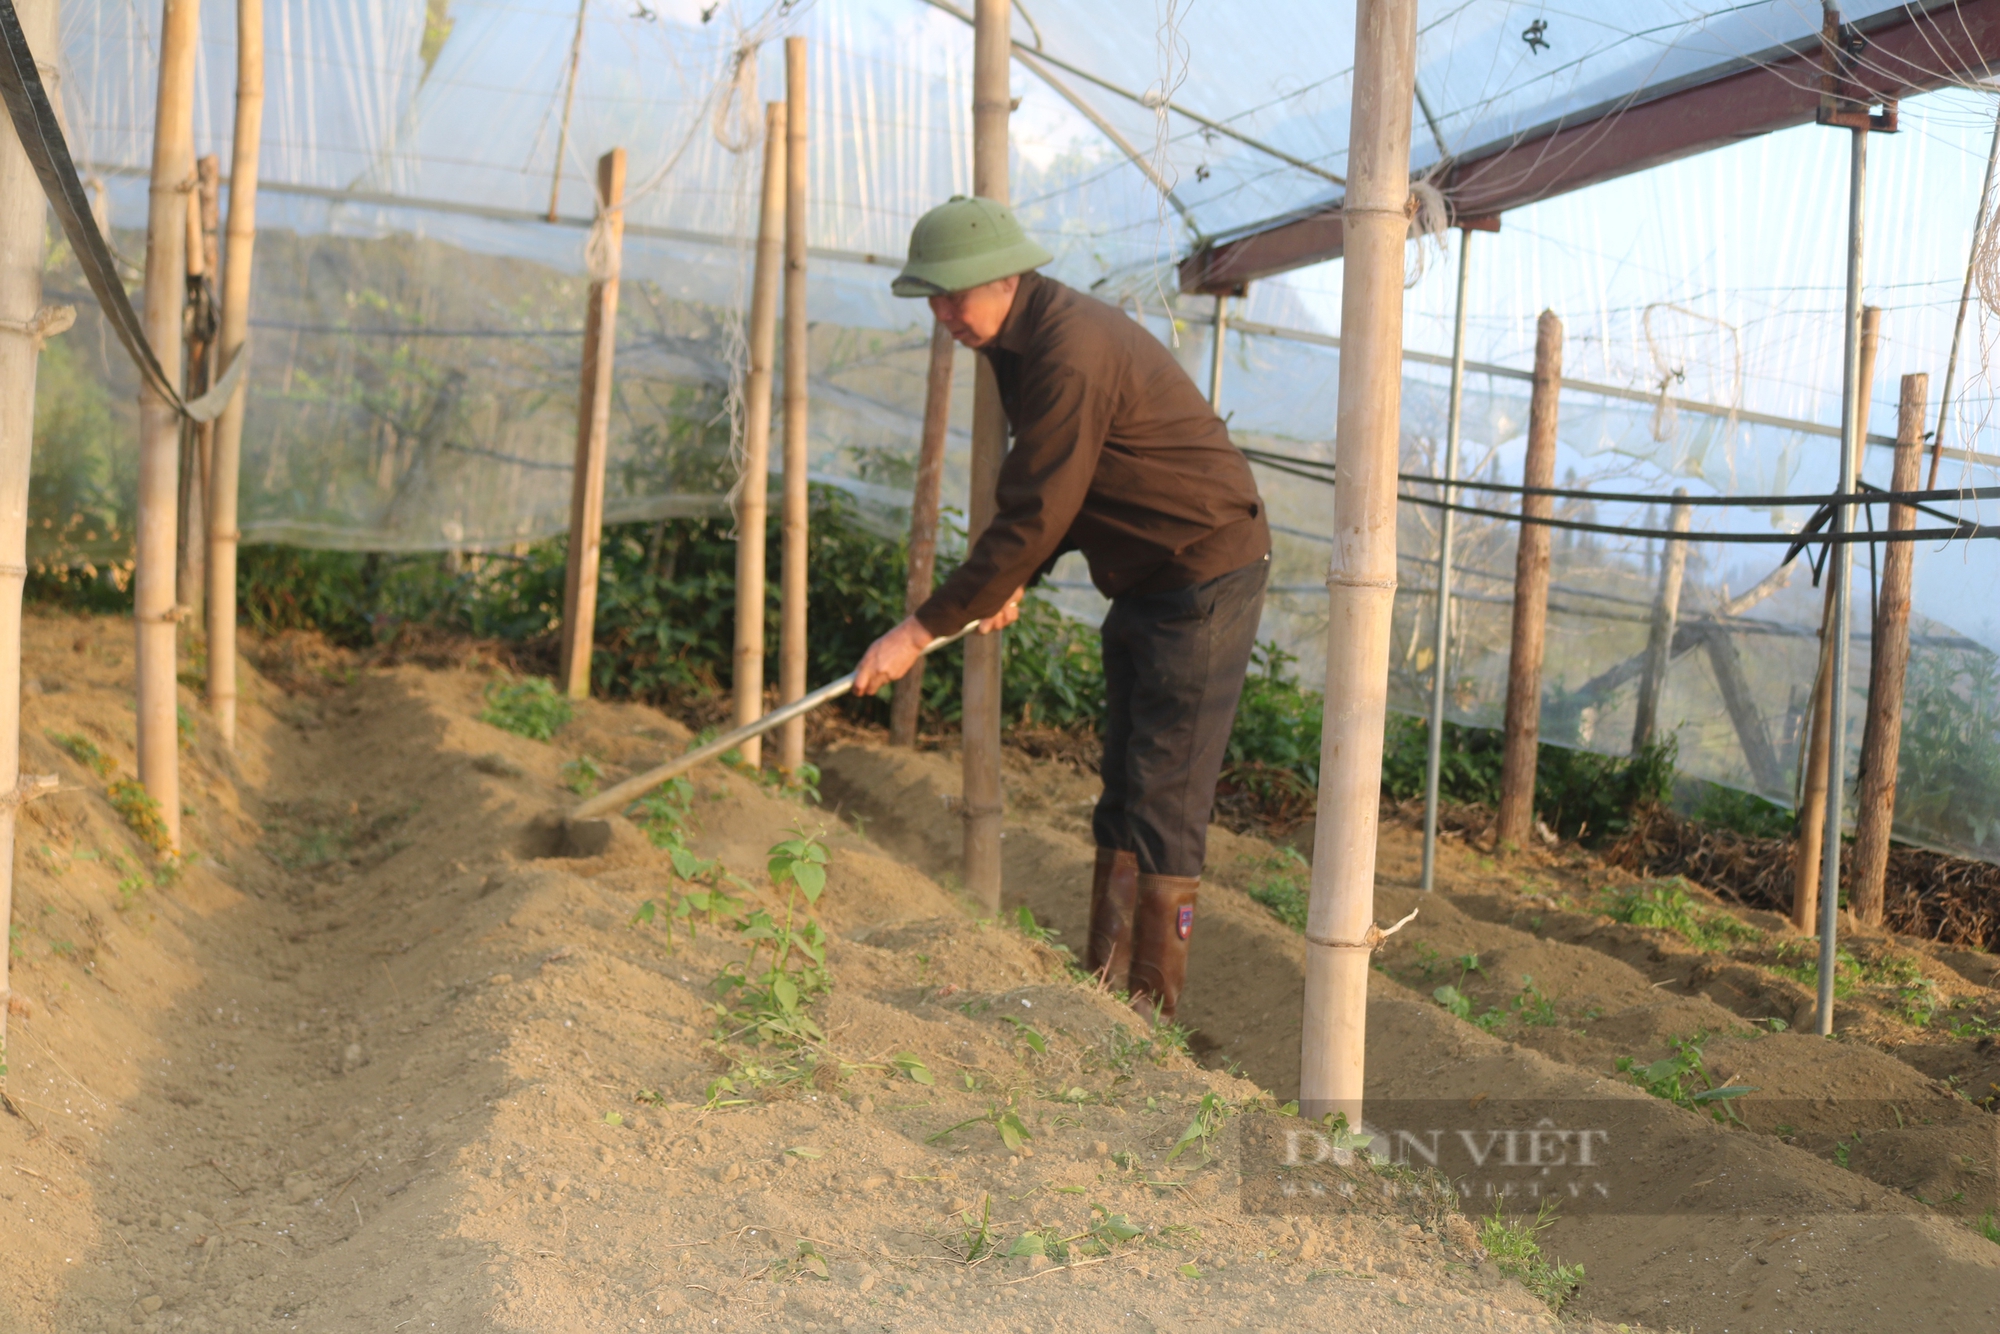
[{"x": 1911, "y": 50}]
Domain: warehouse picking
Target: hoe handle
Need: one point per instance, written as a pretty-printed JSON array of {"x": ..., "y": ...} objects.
[{"x": 618, "y": 797}]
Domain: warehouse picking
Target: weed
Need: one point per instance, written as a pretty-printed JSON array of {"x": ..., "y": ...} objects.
[
  {"x": 1025, "y": 923},
  {"x": 808, "y": 1260},
  {"x": 1988, "y": 1226},
  {"x": 1666, "y": 904},
  {"x": 1106, "y": 1232},
  {"x": 976, "y": 1240},
  {"x": 663, "y": 812},
  {"x": 918, "y": 1072},
  {"x": 582, "y": 775},
  {"x": 1915, "y": 1002},
  {"x": 1282, "y": 883},
  {"x": 1513, "y": 1246},
  {"x": 1036, "y": 1042},
  {"x": 528, "y": 707},
  {"x": 129, "y": 889},
  {"x": 141, "y": 812},
  {"x": 184, "y": 725},
  {"x": 1673, "y": 1078},
  {"x": 1209, "y": 1115},
  {"x": 85, "y": 752},
  {"x": 1005, "y": 1121}
]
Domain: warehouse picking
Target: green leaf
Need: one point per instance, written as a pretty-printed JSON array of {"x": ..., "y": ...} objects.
[
  {"x": 1036, "y": 1042},
  {"x": 647, "y": 911},
  {"x": 1012, "y": 1132},
  {"x": 1725, "y": 1092},
  {"x": 1029, "y": 1243},
  {"x": 785, "y": 993},
  {"x": 810, "y": 878},
  {"x": 801, "y": 1151},
  {"x": 613, "y": 1119},
  {"x": 1189, "y": 1271},
  {"x": 914, "y": 1068},
  {"x": 1118, "y": 1228}
]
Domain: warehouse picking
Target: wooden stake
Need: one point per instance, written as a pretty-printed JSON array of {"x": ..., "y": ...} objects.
[
  {"x": 752, "y": 494},
  {"x": 1882, "y": 736},
  {"x": 1808, "y": 852},
  {"x": 23, "y": 211},
  {"x": 155, "y": 614},
  {"x": 593, "y": 430},
  {"x": 197, "y": 441},
  {"x": 222, "y": 477},
  {"x": 798, "y": 364},
  {"x": 982, "y": 802},
  {"x": 1218, "y": 353},
  {"x": 924, "y": 505},
  {"x": 1734, "y": 685},
  {"x": 1516, "y": 824},
  {"x": 1666, "y": 613},
  {"x": 1361, "y": 581}
]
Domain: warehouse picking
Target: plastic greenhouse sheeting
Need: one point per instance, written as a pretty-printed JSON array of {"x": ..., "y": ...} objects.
[{"x": 417, "y": 322}]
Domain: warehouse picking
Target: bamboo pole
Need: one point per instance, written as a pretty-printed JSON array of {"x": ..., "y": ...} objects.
[
  {"x": 982, "y": 801},
  {"x": 1861, "y": 326},
  {"x": 197, "y": 438},
  {"x": 569, "y": 102},
  {"x": 1882, "y": 735},
  {"x": 1531, "y": 597},
  {"x": 752, "y": 495},
  {"x": 1441, "y": 639},
  {"x": 1807, "y": 851},
  {"x": 924, "y": 505},
  {"x": 1218, "y": 353},
  {"x": 593, "y": 429},
  {"x": 155, "y": 615},
  {"x": 1964, "y": 300},
  {"x": 1666, "y": 615},
  {"x": 798, "y": 353},
  {"x": 1361, "y": 580},
  {"x": 224, "y": 467},
  {"x": 23, "y": 214}
]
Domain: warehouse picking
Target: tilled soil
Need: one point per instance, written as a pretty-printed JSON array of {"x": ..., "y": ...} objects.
[
  {"x": 1846, "y": 1190},
  {"x": 380, "y": 1059}
]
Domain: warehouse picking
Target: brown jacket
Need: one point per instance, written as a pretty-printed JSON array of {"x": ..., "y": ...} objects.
[{"x": 1116, "y": 454}]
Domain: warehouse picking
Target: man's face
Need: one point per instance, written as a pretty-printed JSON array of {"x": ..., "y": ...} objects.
[{"x": 975, "y": 315}]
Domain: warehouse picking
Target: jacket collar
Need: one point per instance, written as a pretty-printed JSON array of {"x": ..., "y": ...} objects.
[{"x": 1017, "y": 331}]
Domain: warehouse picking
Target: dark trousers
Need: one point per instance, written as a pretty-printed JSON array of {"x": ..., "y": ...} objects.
[{"x": 1173, "y": 671}]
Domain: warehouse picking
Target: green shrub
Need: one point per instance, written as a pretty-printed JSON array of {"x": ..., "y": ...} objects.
[
  {"x": 1745, "y": 812},
  {"x": 1667, "y": 904}
]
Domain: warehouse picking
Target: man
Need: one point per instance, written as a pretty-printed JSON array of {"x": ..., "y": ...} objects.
[{"x": 1115, "y": 454}]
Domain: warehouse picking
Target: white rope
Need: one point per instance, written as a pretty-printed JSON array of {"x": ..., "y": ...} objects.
[
  {"x": 1370, "y": 940},
  {"x": 1429, "y": 216},
  {"x": 44, "y": 324}
]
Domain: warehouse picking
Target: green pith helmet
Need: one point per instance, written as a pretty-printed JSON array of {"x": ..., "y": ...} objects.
[{"x": 962, "y": 243}]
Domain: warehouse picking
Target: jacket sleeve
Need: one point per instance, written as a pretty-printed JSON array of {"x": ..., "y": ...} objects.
[{"x": 1043, "y": 480}]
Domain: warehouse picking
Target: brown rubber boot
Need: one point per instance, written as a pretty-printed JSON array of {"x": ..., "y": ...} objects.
[
  {"x": 1114, "y": 888},
  {"x": 1161, "y": 925}
]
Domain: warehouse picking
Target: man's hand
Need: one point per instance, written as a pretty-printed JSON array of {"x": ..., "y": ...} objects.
[
  {"x": 889, "y": 657},
  {"x": 1004, "y": 617}
]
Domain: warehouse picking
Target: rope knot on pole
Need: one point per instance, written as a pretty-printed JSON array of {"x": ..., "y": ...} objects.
[
  {"x": 30, "y": 787},
  {"x": 44, "y": 324},
  {"x": 1371, "y": 939}
]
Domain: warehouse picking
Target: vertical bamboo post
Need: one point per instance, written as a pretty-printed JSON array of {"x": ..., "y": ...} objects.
[
  {"x": 593, "y": 429},
  {"x": 1855, "y": 396},
  {"x": 1882, "y": 735},
  {"x": 753, "y": 493},
  {"x": 1218, "y": 353},
  {"x": 1531, "y": 596},
  {"x": 23, "y": 211},
  {"x": 798, "y": 363},
  {"x": 197, "y": 438},
  {"x": 155, "y": 616},
  {"x": 569, "y": 103},
  {"x": 1441, "y": 639},
  {"x": 1808, "y": 852},
  {"x": 223, "y": 471},
  {"x": 982, "y": 800},
  {"x": 924, "y": 504},
  {"x": 1666, "y": 614},
  {"x": 1361, "y": 579}
]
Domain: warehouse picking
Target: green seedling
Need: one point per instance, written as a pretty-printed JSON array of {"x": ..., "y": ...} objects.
[
  {"x": 663, "y": 812},
  {"x": 768, "y": 993},
  {"x": 1280, "y": 883},
  {"x": 1107, "y": 1231},
  {"x": 808, "y": 1260},
  {"x": 908, "y": 1063},
  {"x": 582, "y": 775},
  {"x": 977, "y": 1241},
  {"x": 1513, "y": 1246},
  {"x": 1673, "y": 1079},
  {"x": 529, "y": 707}
]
